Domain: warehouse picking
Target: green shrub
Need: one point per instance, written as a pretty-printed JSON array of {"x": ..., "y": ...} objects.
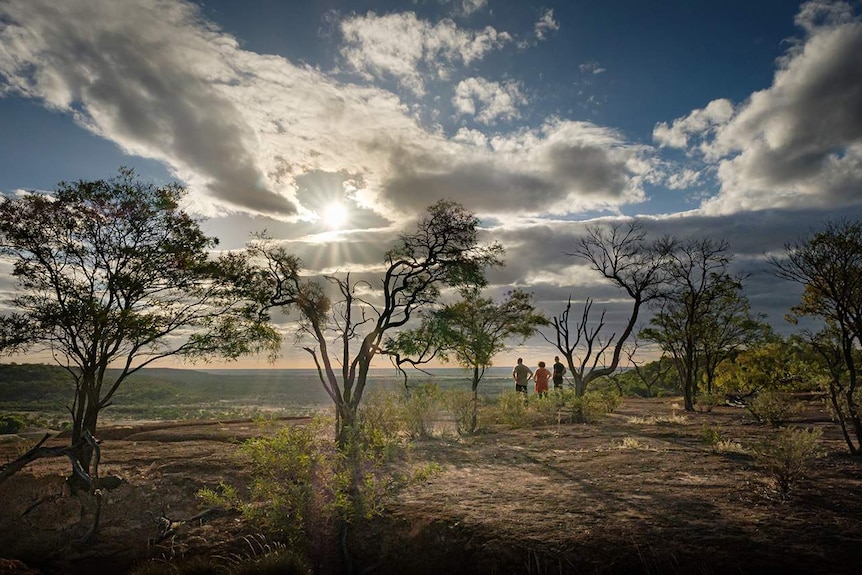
[
  {"x": 460, "y": 404},
  {"x": 545, "y": 410},
  {"x": 706, "y": 402},
  {"x": 12, "y": 423},
  {"x": 304, "y": 487},
  {"x": 710, "y": 435},
  {"x": 421, "y": 409},
  {"x": 788, "y": 454},
  {"x": 512, "y": 409},
  {"x": 773, "y": 407}
]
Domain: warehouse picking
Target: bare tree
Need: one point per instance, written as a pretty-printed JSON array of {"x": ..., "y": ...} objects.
[{"x": 623, "y": 255}]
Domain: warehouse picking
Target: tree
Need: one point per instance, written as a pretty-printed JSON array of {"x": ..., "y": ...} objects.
[
  {"x": 112, "y": 273},
  {"x": 443, "y": 251},
  {"x": 702, "y": 315},
  {"x": 828, "y": 265},
  {"x": 472, "y": 331},
  {"x": 623, "y": 255}
]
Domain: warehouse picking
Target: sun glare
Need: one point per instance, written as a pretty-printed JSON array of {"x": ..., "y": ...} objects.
[{"x": 335, "y": 216}]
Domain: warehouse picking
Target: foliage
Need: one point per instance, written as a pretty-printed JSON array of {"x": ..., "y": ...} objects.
[
  {"x": 560, "y": 406},
  {"x": 462, "y": 406},
  {"x": 470, "y": 332},
  {"x": 304, "y": 486},
  {"x": 421, "y": 409},
  {"x": 706, "y": 402},
  {"x": 443, "y": 252},
  {"x": 788, "y": 454},
  {"x": 773, "y": 407},
  {"x": 650, "y": 379},
  {"x": 702, "y": 316},
  {"x": 12, "y": 423},
  {"x": 828, "y": 264},
  {"x": 512, "y": 410},
  {"x": 718, "y": 442},
  {"x": 777, "y": 364},
  {"x": 113, "y": 272}
]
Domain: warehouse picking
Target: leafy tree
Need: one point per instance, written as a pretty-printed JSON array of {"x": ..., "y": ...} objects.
[
  {"x": 443, "y": 251},
  {"x": 623, "y": 255},
  {"x": 112, "y": 273},
  {"x": 702, "y": 315},
  {"x": 828, "y": 265},
  {"x": 771, "y": 365},
  {"x": 473, "y": 330}
]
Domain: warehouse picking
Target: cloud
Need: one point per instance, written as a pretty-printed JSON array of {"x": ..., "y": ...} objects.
[
  {"x": 700, "y": 123},
  {"x": 797, "y": 143},
  {"x": 488, "y": 101},
  {"x": 141, "y": 74},
  {"x": 591, "y": 68},
  {"x": 244, "y": 130},
  {"x": 546, "y": 24},
  {"x": 562, "y": 167},
  {"x": 403, "y": 47},
  {"x": 465, "y": 8}
]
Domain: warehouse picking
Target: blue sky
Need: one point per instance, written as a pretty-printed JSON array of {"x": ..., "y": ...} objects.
[{"x": 736, "y": 119}]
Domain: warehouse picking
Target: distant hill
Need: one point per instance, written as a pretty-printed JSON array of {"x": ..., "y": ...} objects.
[{"x": 34, "y": 383}]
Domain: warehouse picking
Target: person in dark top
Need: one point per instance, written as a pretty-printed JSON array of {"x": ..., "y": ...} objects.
[{"x": 559, "y": 372}]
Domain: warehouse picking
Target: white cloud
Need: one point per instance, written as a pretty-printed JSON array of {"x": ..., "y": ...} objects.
[
  {"x": 798, "y": 143},
  {"x": 466, "y": 7},
  {"x": 683, "y": 179},
  {"x": 700, "y": 123},
  {"x": 591, "y": 68},
  {"x": 403, "y": 47},
  {"x": 546, "y": 24},
  {"x": 488, "y": 101},
  {"x": 245, "y": 130}
]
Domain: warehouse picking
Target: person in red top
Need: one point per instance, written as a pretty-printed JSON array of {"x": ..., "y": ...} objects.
[{"x": 541, "y": 377}]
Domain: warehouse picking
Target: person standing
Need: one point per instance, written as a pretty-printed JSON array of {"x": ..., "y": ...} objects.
[
  {"x": 559, "y": 372},
  {"x": 541, "y": 377},
  {"x": 521, "y": 374}
]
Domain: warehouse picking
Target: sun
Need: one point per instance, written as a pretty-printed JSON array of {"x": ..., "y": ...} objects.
[{"x": 335, "y": 216}]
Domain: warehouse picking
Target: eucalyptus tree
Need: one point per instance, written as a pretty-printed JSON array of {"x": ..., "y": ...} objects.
[
  {"x": 343, "y": 337},
  {"x": 471, "y": 331},
  {"x": 702, "y": 315},
  {"x": 828, "y": 265},
  {"x": 114, "y": 274}
]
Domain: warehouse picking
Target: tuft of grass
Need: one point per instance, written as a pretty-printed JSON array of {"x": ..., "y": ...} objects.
[{"x": 632, "y": 443}]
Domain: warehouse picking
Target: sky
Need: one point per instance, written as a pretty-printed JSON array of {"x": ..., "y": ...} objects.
[{"x": 333, "y": 124}]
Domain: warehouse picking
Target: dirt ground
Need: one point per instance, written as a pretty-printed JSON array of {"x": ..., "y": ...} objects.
[{"x": 628, "y": 494}]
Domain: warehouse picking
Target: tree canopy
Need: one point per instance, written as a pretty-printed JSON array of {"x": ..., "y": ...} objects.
[{"x": 113, "y": 273}]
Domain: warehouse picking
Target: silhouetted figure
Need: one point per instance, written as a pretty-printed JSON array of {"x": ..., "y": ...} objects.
[
  {"x": 521, "y": 374},
  {"x": 541, "y": 377},
  {"x": 559, "y": 372}
]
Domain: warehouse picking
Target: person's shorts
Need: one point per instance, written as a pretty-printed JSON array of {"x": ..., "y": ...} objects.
[
  {"x": 520, "y": 388},
  {"x": 558, "y": 384}
]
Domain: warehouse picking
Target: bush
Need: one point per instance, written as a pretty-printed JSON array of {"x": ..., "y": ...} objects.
[
  {"x": 460, "y": 405},
  {"x": 773, "y": 407},
  {"x": 788, "y": 454},
  {"x": 706, "y": 402},
  {"x": 421, "y": 410},
  {"x": 512, "y": 409},
  {"x": 12, "y": 423},
  {"x": 382, "y": 423}
]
